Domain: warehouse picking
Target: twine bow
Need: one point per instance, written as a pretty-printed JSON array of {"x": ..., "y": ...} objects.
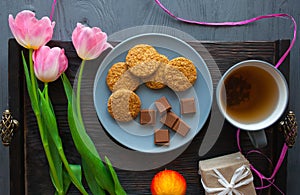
[{"x": 238, "y": 179}]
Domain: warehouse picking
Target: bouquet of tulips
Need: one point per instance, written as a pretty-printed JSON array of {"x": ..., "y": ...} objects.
[{"x": 47, "y": 65}]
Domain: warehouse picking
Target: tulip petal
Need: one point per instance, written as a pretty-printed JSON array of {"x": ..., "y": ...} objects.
[{"x": 17, "y": 32}]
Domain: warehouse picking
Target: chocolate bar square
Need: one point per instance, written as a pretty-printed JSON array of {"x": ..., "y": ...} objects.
[
  {"x": 147, "y": 117},
  {"x": 162, "y": 105},
  {"x": 169, "y": 119},
  {"x": 187, "y": 105},
  {"x": 161, "y": 137},
  {"x": 181, "y": 127}
]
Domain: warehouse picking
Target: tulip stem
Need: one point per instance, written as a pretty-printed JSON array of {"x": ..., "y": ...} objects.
[
  {"x": 46, "y": 91},
  {"x": 33, "y": 82},
  {"x": 31, "y": 69},
  {"x": 78, "y": 92}
]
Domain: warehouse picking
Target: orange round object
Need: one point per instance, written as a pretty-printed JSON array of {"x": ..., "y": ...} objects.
[{"x": 168, "y": 182}]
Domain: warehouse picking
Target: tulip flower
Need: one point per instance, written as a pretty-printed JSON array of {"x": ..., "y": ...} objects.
[
  {"x": 30, "y": 32},
  {"x": 89, "y": 42},
  {"x": 49, "y": 64}
]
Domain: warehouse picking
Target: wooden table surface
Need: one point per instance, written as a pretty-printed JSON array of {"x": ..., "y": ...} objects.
[
  {"x": 113, "y": 16},
  {"x": 26, "y": 152}
]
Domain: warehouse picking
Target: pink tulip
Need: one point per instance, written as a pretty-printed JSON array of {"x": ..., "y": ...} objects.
[
  {"x": 89, "y": 42},
  {"x": 30, "y": 32},
  {"x": 49, "y": 64}
]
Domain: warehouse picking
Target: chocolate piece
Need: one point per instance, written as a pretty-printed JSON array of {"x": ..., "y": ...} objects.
[
  {"x": 161, "y": 137},
  {"x": 187, "y": 105},
  {"x": 148, "y": 117},
  {"x": 162, "y": 105},
  {"x": 169, "y": 119},
  {"x": 181, "y": 127}
]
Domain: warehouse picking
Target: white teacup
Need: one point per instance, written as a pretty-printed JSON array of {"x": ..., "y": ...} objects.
[{"x": 252, "y": 95}]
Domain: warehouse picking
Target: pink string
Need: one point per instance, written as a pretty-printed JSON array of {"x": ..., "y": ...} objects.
[
  {"x": 52, "y": 9},
  {"x": 263, "y": 178},
  {"x": 270, "y": 179},
  {"x": 239, "y": 23}
]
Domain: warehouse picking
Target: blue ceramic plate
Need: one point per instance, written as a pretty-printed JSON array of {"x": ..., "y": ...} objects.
[{"x": 140, "y": 137}]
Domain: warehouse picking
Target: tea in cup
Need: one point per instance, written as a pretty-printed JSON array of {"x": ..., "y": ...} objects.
[{"x": 252, "y": 95}]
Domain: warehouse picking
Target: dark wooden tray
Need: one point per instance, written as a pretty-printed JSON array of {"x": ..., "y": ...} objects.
[{"x": 29, "y": 172}]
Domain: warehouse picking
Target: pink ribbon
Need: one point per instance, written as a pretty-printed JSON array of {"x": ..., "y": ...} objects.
[
  {"x": 240, "y": 23},
  {"x": 52, "y": 9},
  {"x": 270, "y": 179},
  {"x": 263, "y": 178}
]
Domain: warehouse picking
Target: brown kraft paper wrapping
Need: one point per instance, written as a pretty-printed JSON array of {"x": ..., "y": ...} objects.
[{"x": 227, "y": 166}]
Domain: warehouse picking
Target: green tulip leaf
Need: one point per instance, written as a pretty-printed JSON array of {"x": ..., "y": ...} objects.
[
  {"x": 88, "y": 152},
  {"x": 118, "y": 188},
  {"x": 85, "y": 145},
  {"x": 67, "y": 181},
  {"x": 57, "y": 187},
  {"x": 52, "y": 153},
  {"x": 76, "y": 169},
  {"x": 89, "y": 176},
  {"x": 57, "y": 163},
  {"x": 51, "y": 124}
]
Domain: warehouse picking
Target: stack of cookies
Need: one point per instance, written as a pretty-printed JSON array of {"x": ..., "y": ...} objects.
[{"x": 143, "y": 64}]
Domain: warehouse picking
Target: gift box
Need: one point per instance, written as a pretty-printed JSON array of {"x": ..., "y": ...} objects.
[{"x": 229, "y": 174}]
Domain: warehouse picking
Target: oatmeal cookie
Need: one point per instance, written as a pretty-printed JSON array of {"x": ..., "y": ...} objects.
[
  {"x": 115, "y": 73},
  {"x": 124, "y": 105},
  {"x": 139, "y": 53},
  {"x": 144, "y": 69},
  {"x": 142, "y": 60},
  {"x": 127, "y": 81},
  {"x": 157, "y": 80},
  {"x": 180, "y": 74}
]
